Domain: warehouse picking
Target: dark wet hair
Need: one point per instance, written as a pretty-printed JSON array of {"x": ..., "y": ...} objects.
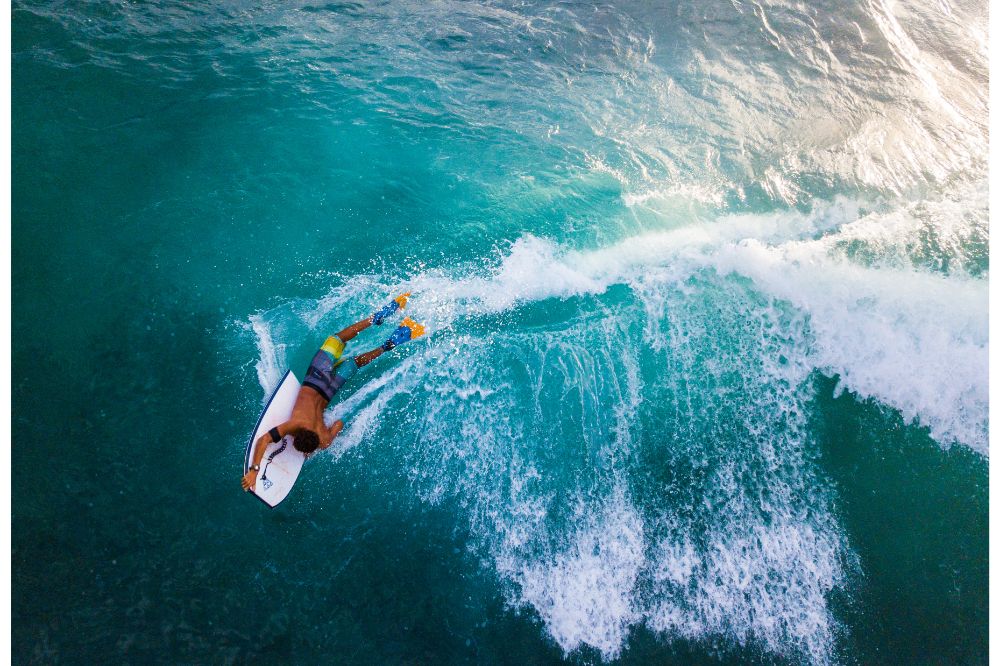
[{"x": 304, "y": 440}]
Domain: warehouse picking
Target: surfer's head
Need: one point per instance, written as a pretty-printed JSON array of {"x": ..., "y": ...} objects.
[{"x": 304, "y": 440}]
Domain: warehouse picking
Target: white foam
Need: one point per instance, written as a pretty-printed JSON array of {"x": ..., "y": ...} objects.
[
  {"x": 357, "y": 288},
  {"x": 362, "y": 410},
  {"x": 585, "y": 592},
  {"x": 535, "y": 432},
  {"x": 535, "y": 269},
  {"x": 762, "y": 582},
  {"x": 912, "y": 339},
  {"x": 532, "y": 270},
  {"x": 271, "y": 357},
  {"x": 681, "y": 193}
]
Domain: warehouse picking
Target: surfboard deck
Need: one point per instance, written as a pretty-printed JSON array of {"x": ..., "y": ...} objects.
[{"x": 282, "y": 462}]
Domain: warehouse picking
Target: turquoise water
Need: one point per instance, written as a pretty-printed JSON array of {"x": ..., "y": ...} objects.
[{"x": 706, "y": 286}]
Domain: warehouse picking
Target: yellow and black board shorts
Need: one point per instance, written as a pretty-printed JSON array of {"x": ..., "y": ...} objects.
[{"x": 328, "y": 372}]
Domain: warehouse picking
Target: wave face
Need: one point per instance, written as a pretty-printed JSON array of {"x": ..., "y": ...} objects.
[
  {"x": 699, "y": 209},
  {"x": 642, "y": 453},
  {"x": 671, "y": 256}
]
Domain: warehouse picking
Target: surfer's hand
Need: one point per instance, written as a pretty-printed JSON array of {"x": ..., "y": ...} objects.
[
  {"x": 333, "y": 431},
  {"x": 250, "y": 480}
]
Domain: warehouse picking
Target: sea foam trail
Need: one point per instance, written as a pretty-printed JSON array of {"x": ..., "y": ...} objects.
[
  {"x": 538, "y": 435},
  {"x": 271, "y": 358},
  {"x": 915, "y": 341},
  {"x": 546, "y": 436},
  {"x": 891, "y": 330}
]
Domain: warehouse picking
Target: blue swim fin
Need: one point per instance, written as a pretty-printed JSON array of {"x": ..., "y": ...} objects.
[
  {"x": 408, "y": 330},
  {"x": 390, "y": 308}
]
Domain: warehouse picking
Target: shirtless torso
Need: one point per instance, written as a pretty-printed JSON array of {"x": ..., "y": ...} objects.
[{"x": 308, "y": 414}]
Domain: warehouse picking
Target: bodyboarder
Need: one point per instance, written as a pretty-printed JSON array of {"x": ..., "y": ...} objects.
[{"x": 327, "y": 374}]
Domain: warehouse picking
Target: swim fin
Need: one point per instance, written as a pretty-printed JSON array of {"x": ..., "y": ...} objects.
[
  {"x": 408, "y": 330},
  {"x": 389, "y": 308}
]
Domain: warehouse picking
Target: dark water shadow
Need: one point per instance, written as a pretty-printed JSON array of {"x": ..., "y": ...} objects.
[{"x": 917, "y": 518}]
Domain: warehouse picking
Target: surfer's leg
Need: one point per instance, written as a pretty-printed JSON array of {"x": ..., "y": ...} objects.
[
  {"x": 329, "y": 356},
  {"x": 407, "y": 330},
  {"x": 361, "y": 360},
  {"x": 395, "y": 304},
  {"x": 352, "y": 330},
  {"x": 390, "y": 308}
]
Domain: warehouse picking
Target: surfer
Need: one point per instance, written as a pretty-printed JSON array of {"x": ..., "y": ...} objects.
[{"x": 327, "y": 373}]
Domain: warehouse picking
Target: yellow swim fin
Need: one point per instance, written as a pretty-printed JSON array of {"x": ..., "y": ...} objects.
[
  {"x": 401, "y": 299},
  {"x": 416, "y": 329}
]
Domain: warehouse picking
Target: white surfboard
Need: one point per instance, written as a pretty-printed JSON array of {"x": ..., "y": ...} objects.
[{"x": 282, "y": 462}]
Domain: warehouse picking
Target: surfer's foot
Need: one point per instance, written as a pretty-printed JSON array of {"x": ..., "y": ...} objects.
[
  {"x": 408, "y": 330},
  {"x": 390, "y": 308}
]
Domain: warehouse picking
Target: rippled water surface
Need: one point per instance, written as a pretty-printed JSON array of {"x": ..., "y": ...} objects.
[{"x": 706, "y": 286}]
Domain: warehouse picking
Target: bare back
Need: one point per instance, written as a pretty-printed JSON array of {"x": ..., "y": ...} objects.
[{"x": 308, "y": 413}]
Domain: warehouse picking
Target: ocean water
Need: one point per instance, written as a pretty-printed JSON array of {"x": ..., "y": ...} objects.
[{"x": 706, "y": 290}]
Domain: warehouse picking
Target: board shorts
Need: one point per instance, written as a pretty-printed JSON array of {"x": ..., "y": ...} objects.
[{"x": 328, "y": 372}]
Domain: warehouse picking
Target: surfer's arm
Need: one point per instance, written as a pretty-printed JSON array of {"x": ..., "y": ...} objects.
[
  {"x": 266, "y": 439},
  {"x": 259, "y": 447}
]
